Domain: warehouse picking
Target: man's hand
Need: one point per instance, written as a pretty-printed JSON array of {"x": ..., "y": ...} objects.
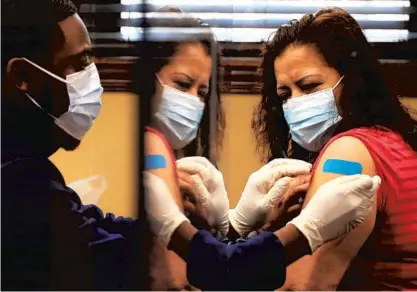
[
  {"x": 208, "y": 186},
  {"x": 163, "y": 212},
  {"x": 337, "y": 207},
  {"x": 193, "y": 207},
  {"x": 289, "y": 206},
  {"x": 263, "y": 190}
]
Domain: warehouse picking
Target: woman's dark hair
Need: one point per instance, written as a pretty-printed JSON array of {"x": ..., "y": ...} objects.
[
  {"x": 365, "y": 100},
  {"x": 162, "y": 52}
]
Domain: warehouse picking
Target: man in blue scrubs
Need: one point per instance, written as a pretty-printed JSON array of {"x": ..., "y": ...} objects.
[{"x": 51, "y": 94}]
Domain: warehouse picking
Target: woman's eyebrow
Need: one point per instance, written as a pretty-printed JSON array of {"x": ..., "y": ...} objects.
[
  {"x": 306, "y": 77},
  {"x": 184, "y": 75}
]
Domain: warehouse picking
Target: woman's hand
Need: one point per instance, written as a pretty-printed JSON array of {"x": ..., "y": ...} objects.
[{"x": 290, "y": 204}]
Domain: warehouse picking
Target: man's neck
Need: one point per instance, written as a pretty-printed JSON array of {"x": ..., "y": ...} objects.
[{"x": 24, "y": 134}]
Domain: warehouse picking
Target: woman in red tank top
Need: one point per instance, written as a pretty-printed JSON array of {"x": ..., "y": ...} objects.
[
  {"x": 324, "y": 98},
  {"x": 180, "y": 121}
]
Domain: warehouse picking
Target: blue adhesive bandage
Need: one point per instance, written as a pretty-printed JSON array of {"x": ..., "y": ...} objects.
[
  {"x": 344, "y": 167},
  {"x": 155, "y": 162}
]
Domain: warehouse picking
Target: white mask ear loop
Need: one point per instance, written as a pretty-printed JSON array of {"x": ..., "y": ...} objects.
[
  {"x": 37, "y": 104},
  {"x": 46, "y": 71},
  {"x": 50, "y": 74},
  {"x": 338, "y": 82},
  {"x": 334, "y": 87},
  {"x": 159, "y": 79}
]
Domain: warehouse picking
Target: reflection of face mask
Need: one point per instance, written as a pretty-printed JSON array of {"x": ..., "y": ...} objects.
[
  {"x": 178, "y": 116},
  {"x": 84, "y": 92},
  {"x": 309, "y": 117}
]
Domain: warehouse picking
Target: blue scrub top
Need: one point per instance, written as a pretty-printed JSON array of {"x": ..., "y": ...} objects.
[
  {"x": 50, "y": 240},
  {"x": 256, "y": 264}
]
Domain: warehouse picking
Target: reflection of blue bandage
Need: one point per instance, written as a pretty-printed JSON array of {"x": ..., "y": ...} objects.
[
  {"x": 154, "y": 162},
  {"x": 342, "y": 167}
]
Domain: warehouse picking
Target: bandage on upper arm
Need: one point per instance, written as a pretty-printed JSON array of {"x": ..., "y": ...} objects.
[
  {"x": 344, "y": 156},
  {"x": 154, "y": 146},
  {"x": 155, "y": 161},
  {"x": 343, "y": 167}
]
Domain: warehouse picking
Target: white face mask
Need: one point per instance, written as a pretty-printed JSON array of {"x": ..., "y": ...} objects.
[
  {"x": 84, "y": 92},
  {"x": 309, "y": 117},
  {"x": 178, "y": 116}
]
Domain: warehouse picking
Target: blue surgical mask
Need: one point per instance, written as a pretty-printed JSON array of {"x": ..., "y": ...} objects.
[
  {"x": 310, "y": 117},
  {"x": 178, "y": 116}
]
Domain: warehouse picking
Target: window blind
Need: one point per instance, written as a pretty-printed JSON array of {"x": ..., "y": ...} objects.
[{"x": 241, "y": 26}]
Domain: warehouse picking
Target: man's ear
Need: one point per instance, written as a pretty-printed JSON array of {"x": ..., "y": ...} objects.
[{"x": 17, "y": 73}]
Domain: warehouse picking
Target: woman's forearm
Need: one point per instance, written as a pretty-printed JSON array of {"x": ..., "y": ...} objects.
[
  {"x": 181, "y": 239},
  {"x": 294, "y": 243}
]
